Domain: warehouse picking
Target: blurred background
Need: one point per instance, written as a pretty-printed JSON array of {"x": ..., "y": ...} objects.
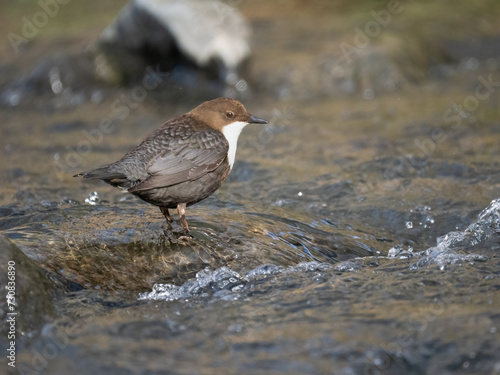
[{"x": 380, "y": 152}]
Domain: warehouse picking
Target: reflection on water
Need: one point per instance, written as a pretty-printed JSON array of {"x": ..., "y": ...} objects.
[{"x": 357, "y": 232}]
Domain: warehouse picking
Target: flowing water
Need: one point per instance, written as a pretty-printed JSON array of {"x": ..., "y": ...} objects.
[{"x": 358, "y": 232}]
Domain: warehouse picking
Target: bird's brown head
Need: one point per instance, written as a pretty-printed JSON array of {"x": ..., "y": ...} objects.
[{"x": 218, "y": 113}]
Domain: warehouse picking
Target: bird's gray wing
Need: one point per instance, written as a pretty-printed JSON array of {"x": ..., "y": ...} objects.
[{"x": 185, "y": 159}]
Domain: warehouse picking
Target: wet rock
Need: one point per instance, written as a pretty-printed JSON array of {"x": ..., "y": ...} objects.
[
  {"x": 177, "y": 36},
  {"x": 28, "y": 291}
]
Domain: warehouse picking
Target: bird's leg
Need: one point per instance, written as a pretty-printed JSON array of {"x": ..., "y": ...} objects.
[
  {"x": 181, "y": 210},
  {"x": 164, "y": 211}
]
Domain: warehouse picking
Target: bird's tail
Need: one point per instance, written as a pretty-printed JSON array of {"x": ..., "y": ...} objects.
[{"x": 109, "y": 176}]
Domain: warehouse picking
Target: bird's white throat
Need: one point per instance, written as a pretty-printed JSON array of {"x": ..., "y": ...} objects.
[{"x": 232, "y": 132}]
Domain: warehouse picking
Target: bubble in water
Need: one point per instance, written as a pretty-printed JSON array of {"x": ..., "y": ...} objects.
[
  {"x": 97, "y": 96},
  {"x": 368, "y": 94},
  {"x": 167, "y": 292},
  {"x": 394, "y": 251},
  {"x": 471, "y": 64},
  {"x": 409, "y": 224},
  {"x": 241, "y": 85},
  {"x": 92, "y": 198},
  {"x": 398, "y": 251},
  {"x": 14, "y": 99},
  {"x": 231, "y": 78},
  {"x": 351, "y": 265},
  {"x": 55, "y": 81},
  {"x": 263, "y": 270}
]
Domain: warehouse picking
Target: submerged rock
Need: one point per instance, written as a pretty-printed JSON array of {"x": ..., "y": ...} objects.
[
  {"x": 27, "y": 292},
  {"x": 200, "y": 34}
]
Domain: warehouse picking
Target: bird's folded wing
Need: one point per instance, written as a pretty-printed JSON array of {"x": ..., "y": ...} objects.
[{"x": 185, "y": 160}]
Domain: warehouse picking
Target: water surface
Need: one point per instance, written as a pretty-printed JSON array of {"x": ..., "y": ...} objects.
[{"x": 356, "y": 234}]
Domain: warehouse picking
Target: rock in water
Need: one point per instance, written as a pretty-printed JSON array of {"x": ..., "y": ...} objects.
[
  {"x": 204, "y": 34},
  {"x": 26, "y": 290}
]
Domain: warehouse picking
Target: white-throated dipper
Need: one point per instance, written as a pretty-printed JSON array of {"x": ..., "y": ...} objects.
[{"x": 185, "y": 160}]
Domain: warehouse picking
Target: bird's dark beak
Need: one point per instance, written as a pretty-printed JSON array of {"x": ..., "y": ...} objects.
[{"x": 256, "y": 120}]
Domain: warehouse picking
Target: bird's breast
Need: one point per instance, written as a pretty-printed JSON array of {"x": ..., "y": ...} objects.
[{"x": 232, "y": 132}]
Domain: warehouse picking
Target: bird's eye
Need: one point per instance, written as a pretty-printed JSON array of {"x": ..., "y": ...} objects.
[{"x": 229, "y": 114}]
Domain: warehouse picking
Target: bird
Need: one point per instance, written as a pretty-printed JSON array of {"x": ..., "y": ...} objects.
[{"x": 184, "y": 161}]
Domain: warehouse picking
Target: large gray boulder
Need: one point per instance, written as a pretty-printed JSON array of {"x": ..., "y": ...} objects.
[{"x": 200, "y": 34}]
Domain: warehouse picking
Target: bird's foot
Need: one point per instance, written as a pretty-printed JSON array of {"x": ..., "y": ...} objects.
[
  {"x": 185, "y": 238},
  {"x": 177, "y": 236},
  {"x": 167, "y": 231}
]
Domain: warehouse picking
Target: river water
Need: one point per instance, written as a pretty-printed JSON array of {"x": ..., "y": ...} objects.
[{"x": 358, "y": 232}]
